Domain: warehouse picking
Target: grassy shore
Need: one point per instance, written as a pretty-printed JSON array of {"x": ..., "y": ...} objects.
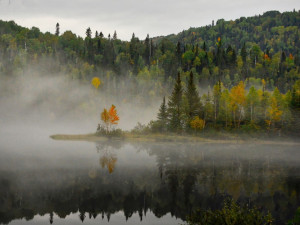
[{"x": 173, "y": 138}]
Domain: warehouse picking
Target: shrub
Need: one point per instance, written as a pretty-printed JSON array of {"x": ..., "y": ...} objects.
[{"x": 230, "y": 214}]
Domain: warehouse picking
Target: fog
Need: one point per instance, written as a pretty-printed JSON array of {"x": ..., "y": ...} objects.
[
  {"x": 44, "y": 180},
  {"x": 54, "y": 103}
]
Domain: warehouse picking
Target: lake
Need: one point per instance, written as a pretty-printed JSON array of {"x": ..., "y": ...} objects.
[{"x": 43, "y": 181}]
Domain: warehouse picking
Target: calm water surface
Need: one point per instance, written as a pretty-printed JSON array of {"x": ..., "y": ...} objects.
[{"x": 43, "y": 181}]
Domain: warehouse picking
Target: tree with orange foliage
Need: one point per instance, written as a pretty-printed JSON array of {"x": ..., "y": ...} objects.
[
  {"x": 109, "y": 161},
  {"x": 109, "y": 117}
]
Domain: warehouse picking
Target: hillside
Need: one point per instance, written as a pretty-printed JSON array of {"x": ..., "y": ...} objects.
[
  {"x": 247, "y": 49},
  {"x": 273, "y": 30}
]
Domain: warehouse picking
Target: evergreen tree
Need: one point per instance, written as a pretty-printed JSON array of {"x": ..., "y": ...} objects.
[
  {"x": 244, "y": 54},
  {"x": 147, "y": 50},
  {"x": 99, "y": 46},
  {"x": 204, "y": 46},
  {"x": 57, "y": 29},
  {"x": 178, "y": 53},
  {"x": 217, "y": 91},
  {"x": 175, "y": 112},
  {"x": 163, "y": 115},
  {"x": 193, "y": 99},
  {"x": 132, "y": 47},
  {"x": 244, "y": 58},
  {"x": 115, "y": 35},
  {"x": 152, "y": 48},
  {"x": 88, "y": 33}
]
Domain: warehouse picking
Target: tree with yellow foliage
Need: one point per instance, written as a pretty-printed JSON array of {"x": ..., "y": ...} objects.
[
  {"x": 96, "y": 82},
  {"x": 197, "y": 123},
  {"x": 109, "y": 117},
  {"x": 237, "y": 102},
  {"x": 274, "y": 113}
]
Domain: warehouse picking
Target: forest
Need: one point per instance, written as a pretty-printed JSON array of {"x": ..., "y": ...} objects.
[{"x": 229, "y": 74}]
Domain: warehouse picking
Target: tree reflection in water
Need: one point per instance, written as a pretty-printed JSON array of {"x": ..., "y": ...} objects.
[
  {"x": 182, "y": 178},
  {"x": 108, "y": 158}
]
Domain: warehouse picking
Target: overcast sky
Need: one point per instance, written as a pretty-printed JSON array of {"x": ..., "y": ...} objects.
[{"x": 156, "y": 17}]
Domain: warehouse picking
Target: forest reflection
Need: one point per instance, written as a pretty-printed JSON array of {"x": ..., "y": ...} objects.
[{"x": 182, "y": 178}]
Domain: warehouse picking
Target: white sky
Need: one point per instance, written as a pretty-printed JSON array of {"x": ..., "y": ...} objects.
[{"x": 156, "y": 17}]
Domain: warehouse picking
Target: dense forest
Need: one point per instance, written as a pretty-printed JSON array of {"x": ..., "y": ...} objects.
[
  {"x": 227, "y": 59},
  {"x": 265, "y": 46},
  {"x": 229, "y": 109}
]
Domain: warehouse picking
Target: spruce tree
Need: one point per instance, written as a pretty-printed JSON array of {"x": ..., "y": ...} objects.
[
  {"x": 193, "y": 100},
  {"x": 57, "y": 29},
  {"x": 147, "y": 50},
  {"x": 204, "y": 46},
  {"x": 115, "y": 37},
  {"x": 88, "y": 33},
  {"x": 178, "y": 53},
  {"x": 244, "y": 54},
  {"x": 175, "y": 111},
  {"x": 244, "y": 58},
  {"x": 162, "y": 115}
]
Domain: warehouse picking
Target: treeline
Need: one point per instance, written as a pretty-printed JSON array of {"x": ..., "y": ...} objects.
[
  {"x": 261, "y": 47},
  {"x": 241, "y": 107}
]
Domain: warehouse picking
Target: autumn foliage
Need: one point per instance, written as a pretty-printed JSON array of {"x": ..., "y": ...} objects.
[
  {"x": 244, "y": 106},
  {"x": 108, "y": 161},
  {"x": 96, "y": 82},
  {"x": 109, "y": 117},
  {"x": 197, "y": 123}
]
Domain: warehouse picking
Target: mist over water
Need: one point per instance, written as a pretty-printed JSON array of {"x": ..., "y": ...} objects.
[
  {"x": 141, "y": 183},
  {"x": 67, "y": 182},
  {"x": 54, "y": 103}
]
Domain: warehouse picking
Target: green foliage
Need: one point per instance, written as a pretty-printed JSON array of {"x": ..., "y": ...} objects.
[
  {"x": 253, "y": 50},
  {"x": 101, "y": 131},
  {"x": 231, "y": 214},
  {"x": 193, "y": 100},
  {"x": 296, "y": 219},
  {"x": 162, "y": 116},
  {"x": 235, "y": 109},
  {"x": 175, "y": 108},
  {"x": 265, "y": 46}
]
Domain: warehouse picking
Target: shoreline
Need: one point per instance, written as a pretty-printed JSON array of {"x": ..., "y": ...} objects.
[{"x": 173, "y": 138}]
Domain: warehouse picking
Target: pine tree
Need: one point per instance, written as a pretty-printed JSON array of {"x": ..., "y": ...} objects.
[
  {"x": 217, "y": 91},
  {"x": 178, "y": 53},
  {"x": 163, "y": 115},
  {"x": 147, "y": 50},
  {"x": 204, "y": 46},
  {"x": 244, "y": 58},
  {"x": 99, "y": 46},
  {"x": 115, "y": 35},
  {"x": 132, "y": 47},
  {"x": 193, "y": 100},
  {"x": 244, "y": 54},
  {"x": 88, "y": 32},
  {"x": 175, "y": 111},
  {"x": 57, "y": 29}
]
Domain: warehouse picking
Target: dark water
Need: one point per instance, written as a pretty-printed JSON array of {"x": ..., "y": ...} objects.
[{"x": 44, "y": 181}]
